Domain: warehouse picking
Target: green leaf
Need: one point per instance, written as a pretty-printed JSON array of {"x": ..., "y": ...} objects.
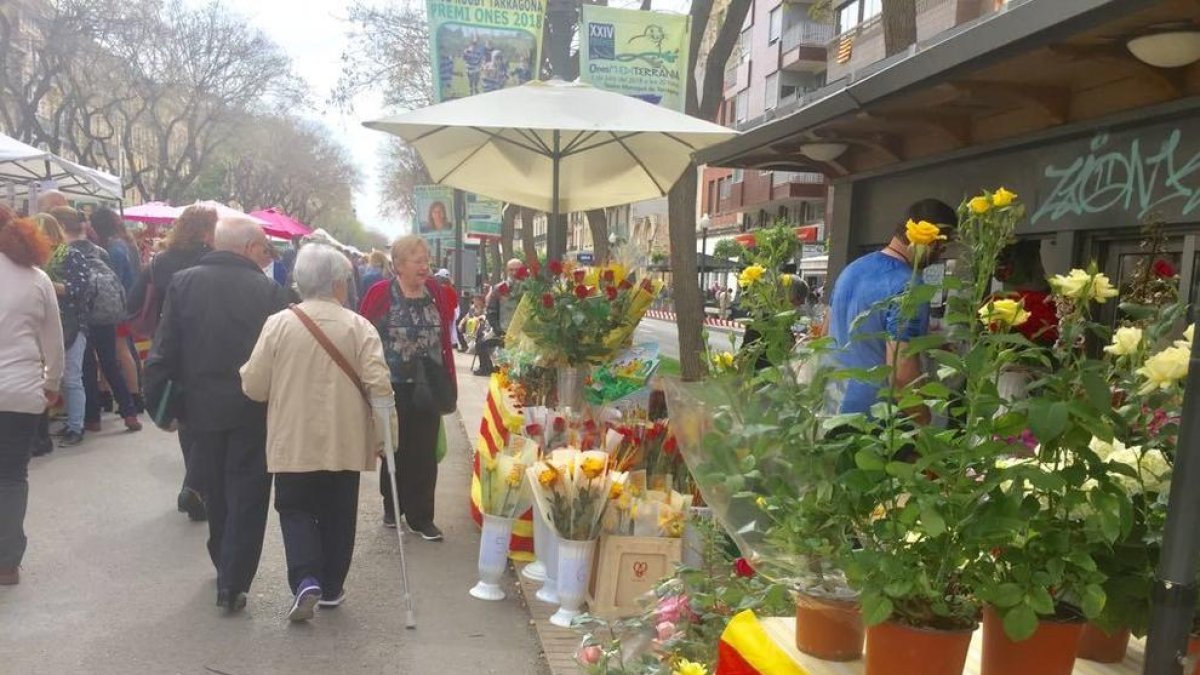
[
  {"x": 876, "y": 609},
  {"x": 1020, "y": 622},
  {"x": 900, "y": 469},
  {"x": 1006, "y": 595},
  {"x": 868, "y": 460},
  {"x": 1093, "y": 600},
  {"x": 934, "y": 524},
  {"x": 1047, "y": 421},
  {"x": 1097, "y": 390},
  {"x": 1041, "y": 602}
]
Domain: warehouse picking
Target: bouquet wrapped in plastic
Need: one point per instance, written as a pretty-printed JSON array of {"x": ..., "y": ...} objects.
[
  {"x": 505, "y": 492},
  {"x": 572, "y": 489}
]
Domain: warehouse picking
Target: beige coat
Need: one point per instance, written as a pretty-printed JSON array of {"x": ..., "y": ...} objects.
[{"x": 316, "y": 418}]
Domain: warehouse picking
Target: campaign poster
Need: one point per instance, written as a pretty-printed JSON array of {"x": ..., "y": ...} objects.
[
  {"x": 477, "y": 46},
  {"x": 484, "y": 216},
  {"x": 639, "y": 54},
  {"x": 435, "y": 215}
]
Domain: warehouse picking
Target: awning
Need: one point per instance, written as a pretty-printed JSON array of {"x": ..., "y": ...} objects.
[{"x": 25, "y": 165}]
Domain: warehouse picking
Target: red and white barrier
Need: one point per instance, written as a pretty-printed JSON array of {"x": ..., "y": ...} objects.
[{"x": 664, "y": 315}]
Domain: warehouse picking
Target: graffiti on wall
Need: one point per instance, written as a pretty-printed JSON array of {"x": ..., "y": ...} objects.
[{"x": 1136, "y": 178}]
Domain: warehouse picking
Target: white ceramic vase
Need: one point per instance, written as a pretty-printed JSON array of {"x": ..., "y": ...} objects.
[
  {"x": 574, "y": 572},
  {"x": 493, "y": 557},
  {"x": 545, "y": 544}
]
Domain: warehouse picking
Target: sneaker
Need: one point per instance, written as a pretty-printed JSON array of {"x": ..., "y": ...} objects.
[
  {"x": 389, "y": 520},
  {"x": 191, "y": 503},
  {"x": 306, "y": 600},
  {"x": 132, "y": 423},
  {"x": 62, "y": 430},
  {"x": 70, "y": 439},
  {"x": 42, "y": 446},
  {"x": 428, "y": 532},
  {"x": 231, "y": 601},
  {"x": 328, "y": 602},
  {"x": 11, "y": 576}
]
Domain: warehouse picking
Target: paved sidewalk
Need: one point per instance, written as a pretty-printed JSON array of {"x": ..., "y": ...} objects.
[{"x": 116, "y": 582}]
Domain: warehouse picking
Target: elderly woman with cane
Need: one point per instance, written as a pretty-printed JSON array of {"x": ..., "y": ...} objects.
[
  {"x": 319, "y": 367},
  {"x": 414, "y": 315}
]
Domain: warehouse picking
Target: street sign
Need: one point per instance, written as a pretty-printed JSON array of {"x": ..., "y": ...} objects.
[{"x": 585, "y": 258}]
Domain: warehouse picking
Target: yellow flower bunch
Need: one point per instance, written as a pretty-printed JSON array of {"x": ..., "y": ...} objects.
[
  {"x": 984, "y": 202},
  {"x": 1004, "y": 313},
  {"x": 723, "y": 361},
  {"x": 685, "y": 667},
  {"x": 922, "y": 233},
  {"x": 751, "y": 275}
]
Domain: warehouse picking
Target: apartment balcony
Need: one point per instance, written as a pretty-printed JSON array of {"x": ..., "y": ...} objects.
[
  {"x": 804, "y": 47},
  {"x": 797, "y": 185},
  {"x": 737, "y": 78}
]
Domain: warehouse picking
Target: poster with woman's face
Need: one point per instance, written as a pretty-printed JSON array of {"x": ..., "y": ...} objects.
[{"x": 435, "y": 215}]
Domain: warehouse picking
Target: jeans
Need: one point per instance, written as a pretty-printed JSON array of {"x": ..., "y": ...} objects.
[
  {"x": 318, "y": 514},
  {"x": 237, "y": 494},
  {"x": 16, "y": 439},
  {"x": 416, "y": 461},
  {"x": 102, "y": 349},
  {"x": 72, "y": 384}
]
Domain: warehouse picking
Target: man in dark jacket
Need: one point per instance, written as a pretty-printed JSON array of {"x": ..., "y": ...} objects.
[{"x": 210, "y": 322}]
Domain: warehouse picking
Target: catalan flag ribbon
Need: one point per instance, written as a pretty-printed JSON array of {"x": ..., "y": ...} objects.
[
  {"x": 500, "y": 418},
  {"x": 746, "y": 649}
]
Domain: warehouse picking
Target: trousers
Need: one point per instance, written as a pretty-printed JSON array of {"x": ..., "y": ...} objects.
[
  {"x": 318, "y": 514},
  {"x": 102, "y": 350},
  {"x": 74, "y": 397},
  {"x": 191, "y": 467},
  {"x": 16, "y": 441},
  {"x": 233, "y": 463},
  {"x": 416, "y": 461}
]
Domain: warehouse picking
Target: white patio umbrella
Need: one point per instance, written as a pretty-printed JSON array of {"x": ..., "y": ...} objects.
[
  {"x": 555, "y": 146},
  {"x": 22, "y": 164}
]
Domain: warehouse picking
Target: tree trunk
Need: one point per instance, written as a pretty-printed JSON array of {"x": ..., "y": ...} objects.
[
  {"x": 685, "y": 285},
  {"x": 899, "y": 25},
  {"x": 598, "y": 222},
  {"x": 508, "y": 227},
  {"x": 495, "y": 260},
  {"x": 527, "y": 239}
]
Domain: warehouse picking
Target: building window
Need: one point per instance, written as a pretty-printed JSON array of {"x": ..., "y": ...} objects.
[
  {"x": 738, "y": 175},
  {"x": 771, "y": 95},
  {"x": 853, "y": 13},
  {"x": 743, "y": 106},
  {"x": 776, "y": 24},
  {"x": 744, "y": 45},
  {"x": 726, "y": 189}
]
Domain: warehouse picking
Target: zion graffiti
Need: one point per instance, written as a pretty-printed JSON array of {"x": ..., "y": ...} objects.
[{"x": 1136, "y": 179}]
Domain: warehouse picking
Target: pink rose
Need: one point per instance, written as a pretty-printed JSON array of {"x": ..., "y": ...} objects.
[
  {"x": 589, "y": 656},
  {"x": 666, "y": 630},
  {"x": 673, "y": 608}
]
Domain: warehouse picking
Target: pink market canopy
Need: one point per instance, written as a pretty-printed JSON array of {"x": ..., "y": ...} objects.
[
  {"x": 279, "y": 224},
  {"x": 153, "y": 213}
]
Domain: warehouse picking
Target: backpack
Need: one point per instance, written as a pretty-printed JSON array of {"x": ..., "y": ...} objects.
[{"x": 106, "y": 296}]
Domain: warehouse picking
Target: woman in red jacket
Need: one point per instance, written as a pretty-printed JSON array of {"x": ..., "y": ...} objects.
[{"x": 414, "y": 315}]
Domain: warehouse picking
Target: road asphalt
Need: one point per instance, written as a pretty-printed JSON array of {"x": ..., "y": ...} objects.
[{"x": 115, "y": 581}]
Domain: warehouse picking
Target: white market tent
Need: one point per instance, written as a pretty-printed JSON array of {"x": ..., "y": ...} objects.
[{"x": 23, "y": 166}]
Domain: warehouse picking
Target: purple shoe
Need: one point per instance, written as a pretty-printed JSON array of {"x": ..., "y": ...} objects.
[{"x": 307, "y": 597}]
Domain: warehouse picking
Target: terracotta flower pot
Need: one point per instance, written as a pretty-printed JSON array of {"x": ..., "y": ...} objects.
[
  {"x": 1102, "y": 647},
  {"x": 1049, "y": 651},
  {"x": 896, "y": 649},
  {"x": 831, "y": 630},
  {"x": 1193, "y": 647}
]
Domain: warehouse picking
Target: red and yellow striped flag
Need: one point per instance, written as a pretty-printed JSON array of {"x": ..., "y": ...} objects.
[
  {"x": 746, "y": 649},
  {"x": 499, "y": 420}
]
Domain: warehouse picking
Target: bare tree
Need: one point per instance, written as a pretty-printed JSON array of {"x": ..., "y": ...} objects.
[
  {"x": 402, "y": 170},
  {"x": 598, "y": 223},
  {"x": 899, "y": 25},
  {"x": 528, "y": 241},
  {"x": 681, "y": 202},
  {"x": 508, "y": 231}
]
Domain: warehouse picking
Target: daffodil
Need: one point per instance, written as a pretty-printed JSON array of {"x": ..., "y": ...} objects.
[
  {"x": 751, "y": 275},
  {"x": 1125, "y": 341},
  {"x": 980, "y": 205},
  {"x": 1164, "y": 369},
  {"x": 685, "y": 667},
  {"x": 923, "y": 233},
  {"x": 1003, "y": 313},
  {"x": 1002, "y": 198}
]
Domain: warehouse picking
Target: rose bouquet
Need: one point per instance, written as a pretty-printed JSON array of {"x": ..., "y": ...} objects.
[
  {"x": 505, "y": 492},
  {"x": 572, "y": 489}
]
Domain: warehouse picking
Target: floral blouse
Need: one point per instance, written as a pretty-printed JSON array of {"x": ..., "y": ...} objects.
[{"x": 412, "y": 330}]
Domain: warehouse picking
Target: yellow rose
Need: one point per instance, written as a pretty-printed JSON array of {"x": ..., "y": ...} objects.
[
  {"x": 923, "y": 233},
  {"x": 785, "y": 280},
  {"x": 1164, "y": 369},
  {"x": 751, "y": 275},
  {"x": 1125, "y": 341},
  {"x": 761, "y": 502},
  {"x": 723, "y": 360},
  {"x": 1003, "y": 313},
  {"x": 980, "y": 204},
  {"x": 1071, "y": 285},
  {"x": 1002, "y": 198},
  {"x": 514, "y": 475},
  {"x": 547, "y": 477},
  {"x": 1102, "y": 288},
  {"x": 685, "y": 667},
  {"x": 592, "y": 467},
  {"x": 1186, "y": 342}
]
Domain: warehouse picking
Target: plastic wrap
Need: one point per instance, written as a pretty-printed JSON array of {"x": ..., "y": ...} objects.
[
  {"x": 572, "y": 490},
  {"x": 505, "y": 492}
]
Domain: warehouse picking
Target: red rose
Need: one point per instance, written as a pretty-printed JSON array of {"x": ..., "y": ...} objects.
[
  {"x": 547, "y": 300},
  {"x": 647, "y": 286},
  {"x": 560, "y": 425},
  {"x": 743, "y": 568},
  {"x": 625, "y": 285},
  {"x": 581, "y": 292},
  {"x": 671, "y": 446},
  {"x": 556, "y": 267},
  {"x": 653, "y": 432},
  {"x": 579, "y": 275},
  {"x": 533, "y": 430},
  {"x": 522, "y": 273},
  {"x": 589, "y": 425},
  {"x": 611, "y": 293},
  {"x": 1163, "y": 269},
  {"x": 609, "y": 277},
  {"x": 503, "y": 288},
  {"x": 535, "y": 267}
]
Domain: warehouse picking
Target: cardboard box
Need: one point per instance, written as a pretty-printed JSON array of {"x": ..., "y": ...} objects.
[{"x": 626, "y": 569}]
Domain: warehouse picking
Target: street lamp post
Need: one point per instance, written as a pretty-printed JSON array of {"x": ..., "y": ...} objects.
[{"x": 705, "y": 221}]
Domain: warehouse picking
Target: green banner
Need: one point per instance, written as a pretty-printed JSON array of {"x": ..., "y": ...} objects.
[
  {"x": 478, "y": 46},
  {"x": 639, "y": 54},
  {"x": 484, "y": 216},
  {"x": 435, "y": 215}
]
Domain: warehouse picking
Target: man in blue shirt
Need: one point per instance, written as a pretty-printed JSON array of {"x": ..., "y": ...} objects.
[{"x": 871, "y": 286}]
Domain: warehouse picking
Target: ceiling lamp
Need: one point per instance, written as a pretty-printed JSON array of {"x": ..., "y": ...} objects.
[
  {"x": 822, "y": 152},
  {"x": 1170, "y": 49}
]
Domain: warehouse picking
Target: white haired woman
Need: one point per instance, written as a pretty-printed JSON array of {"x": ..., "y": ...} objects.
[{"x": 316, "y": 364}]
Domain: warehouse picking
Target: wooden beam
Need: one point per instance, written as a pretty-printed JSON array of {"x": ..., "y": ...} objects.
[
  {"x": 1053, "y": 102},
  {"x": 1171, "y": 81},
  {"x": 955, "y": 127}
]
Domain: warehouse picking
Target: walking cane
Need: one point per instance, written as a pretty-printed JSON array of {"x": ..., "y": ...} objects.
[{"x": 384, "y": 409}]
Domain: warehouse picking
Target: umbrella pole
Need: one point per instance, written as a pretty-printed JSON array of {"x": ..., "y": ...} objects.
[
  {"x": 557, "y": 240},
  {"x": 1174, "y": 592}
]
